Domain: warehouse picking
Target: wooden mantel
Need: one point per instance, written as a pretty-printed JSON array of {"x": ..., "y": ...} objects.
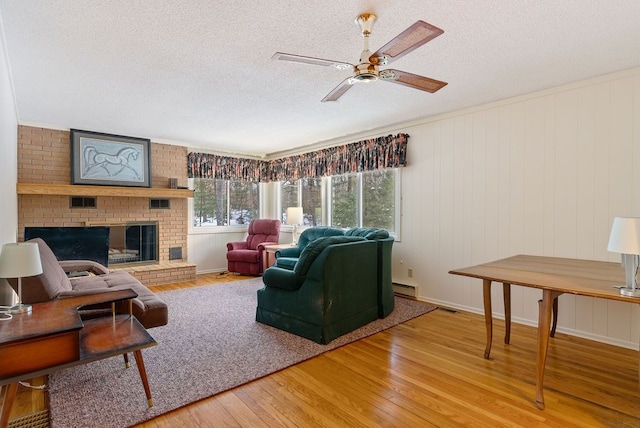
[{"x": 84, "y": 190}]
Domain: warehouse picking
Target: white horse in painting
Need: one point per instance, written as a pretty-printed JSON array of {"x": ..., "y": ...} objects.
[{"x": 93, "y": 159}]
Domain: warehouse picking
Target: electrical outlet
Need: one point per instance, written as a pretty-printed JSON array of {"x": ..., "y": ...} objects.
[{"x": 410, "y": 273}]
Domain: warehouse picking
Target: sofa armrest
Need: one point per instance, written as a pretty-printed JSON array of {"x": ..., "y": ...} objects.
[
  {"x": 237, "y": 245},
  {"x": 83, "y": 265},
  {"x": 288, "y": 252},
  {"x": 285, "y": 279},
  {"x": 260, "y": 246}
]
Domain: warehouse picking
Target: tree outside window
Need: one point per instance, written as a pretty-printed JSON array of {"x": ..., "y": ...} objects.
[
  {"x": 344, "y": 200},
  {"x": 288, "y": 197},
  {"x": 305, "y": 193},
  {"x": 243, "y": 202},
  {"x": 378, "y": 199},
  {"x": 311, "y": 192},
  {"x": 224, "y": 202}
]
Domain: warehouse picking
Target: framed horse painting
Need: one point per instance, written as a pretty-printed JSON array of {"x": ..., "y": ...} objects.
[{"x": 109, "y": 160}]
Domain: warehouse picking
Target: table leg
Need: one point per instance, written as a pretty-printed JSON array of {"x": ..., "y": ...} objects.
[
  {"x": 555, "y": 317},
  {"x": 506, "y": 293},
  {"x": 143, "y": 376},
  {"x": 544, "y": 322},
  {"x": 488, "y": 314},
  {"x": 9, "y": 396}
]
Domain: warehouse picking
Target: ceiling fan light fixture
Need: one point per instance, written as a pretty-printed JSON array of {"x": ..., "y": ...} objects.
[
  {"x": 365, "y": 78},
  {"x": 366, "y": 73}
]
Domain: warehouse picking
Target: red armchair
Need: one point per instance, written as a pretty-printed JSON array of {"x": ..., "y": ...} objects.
[{"x": 246, "y": 257}]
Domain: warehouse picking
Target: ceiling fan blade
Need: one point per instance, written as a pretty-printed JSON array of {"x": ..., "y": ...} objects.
[
  {"x": 410, "y": 39},
  {"x": 339, "y": 90},
  {"x": 412, "y": 80},
  {"x": 310, "y": 60}
]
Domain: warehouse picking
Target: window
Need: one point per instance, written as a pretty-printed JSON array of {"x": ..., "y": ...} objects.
[
  {"x": 366, "y": 199},
  {"x": 305, "y": 193},
  {"x": 224, "y": 202},
  {"x": 344, "y": 200},
  {"x": 379, "y": 199}
]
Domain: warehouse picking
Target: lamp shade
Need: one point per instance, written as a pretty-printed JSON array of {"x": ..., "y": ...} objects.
[
  {"x": 20, "y": 260},
  {"x": 294, "y": 215},
  {"x": 625, "y": 235}
]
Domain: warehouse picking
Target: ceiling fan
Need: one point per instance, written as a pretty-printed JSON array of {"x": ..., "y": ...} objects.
[{"x": 367, "y": 69}]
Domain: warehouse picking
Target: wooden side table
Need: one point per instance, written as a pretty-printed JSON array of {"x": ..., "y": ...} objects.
[
  {"x": 53, "y": 337},
  {"x": 270, "y": 250}
]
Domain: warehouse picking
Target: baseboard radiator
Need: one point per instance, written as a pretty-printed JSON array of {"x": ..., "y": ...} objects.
[{"x": 404, "y": 290}]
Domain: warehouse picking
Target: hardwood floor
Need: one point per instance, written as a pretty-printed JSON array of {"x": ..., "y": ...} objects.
[{"x": 430, "y": 372}]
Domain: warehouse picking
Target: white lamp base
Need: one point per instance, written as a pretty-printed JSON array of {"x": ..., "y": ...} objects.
[
  {"x": 630, "y": 292},
  {"x": 20, "y": 309}
]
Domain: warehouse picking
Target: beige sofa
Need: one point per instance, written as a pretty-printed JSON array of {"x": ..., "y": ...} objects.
[{"x": 54, "y": 283}]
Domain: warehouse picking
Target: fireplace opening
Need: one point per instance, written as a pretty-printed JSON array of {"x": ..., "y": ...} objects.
[{"x": 133, "y": 243}]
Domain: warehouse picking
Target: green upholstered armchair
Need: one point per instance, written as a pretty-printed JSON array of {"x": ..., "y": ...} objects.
[
  {"x": 331, "y": 291},
  {"x": 287, "y": 257},
  {"x": 386, "y": 297}
]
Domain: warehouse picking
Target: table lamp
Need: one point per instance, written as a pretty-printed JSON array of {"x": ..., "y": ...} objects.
[
  {"x": 625, "y": 239},
  {"x": 294, "y": 217},
  {"x": 18, "y": 260}
]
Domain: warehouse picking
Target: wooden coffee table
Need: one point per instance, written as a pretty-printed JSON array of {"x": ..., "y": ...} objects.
[{"x": 53, "y": 337}]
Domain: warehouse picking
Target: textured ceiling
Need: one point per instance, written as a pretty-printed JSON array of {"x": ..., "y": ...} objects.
[{"x": 199, "y": 73}]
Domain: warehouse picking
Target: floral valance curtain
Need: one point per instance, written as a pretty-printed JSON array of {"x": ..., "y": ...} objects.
[{"x": 367, "y": 155}]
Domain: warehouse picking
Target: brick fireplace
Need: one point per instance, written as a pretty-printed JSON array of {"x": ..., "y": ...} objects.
[{"x": 44, "y": 157}]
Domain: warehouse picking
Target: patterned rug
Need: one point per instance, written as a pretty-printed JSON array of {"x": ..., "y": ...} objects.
[{"x": 211, "y": 344}]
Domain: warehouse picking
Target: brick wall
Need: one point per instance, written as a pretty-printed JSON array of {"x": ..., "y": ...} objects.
[{"x": 44, "y": 156}]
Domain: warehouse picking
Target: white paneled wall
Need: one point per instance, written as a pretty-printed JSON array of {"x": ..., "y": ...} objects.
[
  {"x": 540, "y": 174},
  {"x": 209, "y": 250}
]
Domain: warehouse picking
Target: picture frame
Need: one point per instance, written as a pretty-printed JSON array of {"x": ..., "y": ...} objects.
[{"x": 110, "y": 160}]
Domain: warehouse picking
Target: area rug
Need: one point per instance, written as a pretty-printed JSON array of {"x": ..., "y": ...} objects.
[{"x": 211, "y": 344}]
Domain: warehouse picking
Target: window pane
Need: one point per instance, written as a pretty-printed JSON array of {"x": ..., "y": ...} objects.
[
  {"x": 209, "y": 202},
  {"x": 344, "y": 195},
  {"x": 378, "y": 199},
  {"x": 288, "y": 197},
  {"x": 312, "y": 201},
  {"x": 243, "y": 202}
]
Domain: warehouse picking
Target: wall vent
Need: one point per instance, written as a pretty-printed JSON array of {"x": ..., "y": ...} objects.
[
  {"x": 82, "y": 202},
  {"x": 175, "y": 253},
  {"x": 159, "y": 204}
]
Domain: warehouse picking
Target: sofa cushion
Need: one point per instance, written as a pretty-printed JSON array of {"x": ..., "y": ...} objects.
[
  {"x": 313, "y": 233},
  {"x": 148, "y": 307},
  {"x": 263, "y": 230},
  {"x": 314, "y": 248},
  {"x": 247, "y": 256},
  {"x": 368, "y": 232},
  {"x": 286, "y": 262}
]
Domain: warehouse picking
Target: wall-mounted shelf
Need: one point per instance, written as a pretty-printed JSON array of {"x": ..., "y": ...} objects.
[{"x": 84, "y": 190}]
